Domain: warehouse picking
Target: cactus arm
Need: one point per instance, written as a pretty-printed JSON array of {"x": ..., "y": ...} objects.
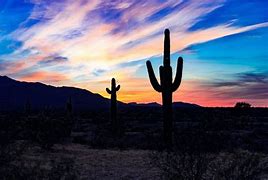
[
  {"x": 152, "y": 77},
  {"x": 108, "y": 91},
  {"x": 177, "y": 80},
  {"x": 117, "y": 88}
]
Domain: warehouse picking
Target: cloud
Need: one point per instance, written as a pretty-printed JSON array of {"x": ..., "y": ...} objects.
[
  {"x": 249, "y": 85},
  {"x": 7, "y": 68},
  {"x": 43, "y": 76},
  {"x": 3, "y": 65},
  {"x": 85, "y": 42},
  {"x": 51, "y": 60},
  {"x": 254, "y": 77},
  {"x": 77, "y": 30}
]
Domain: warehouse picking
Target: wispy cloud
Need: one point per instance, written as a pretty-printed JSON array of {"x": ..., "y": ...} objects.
[
  {"x": 52, "y": 60},
  {"x": 43, "y": 76},
  {"x": 248, "y": 85}
]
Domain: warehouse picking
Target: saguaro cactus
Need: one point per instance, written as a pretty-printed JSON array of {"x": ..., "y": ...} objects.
[
  {"x": 28, "y": 107},
  {"x": 114, "y": 89},
  {"x": 69, "y": 106},
  {"x": 166, "y": 86}
]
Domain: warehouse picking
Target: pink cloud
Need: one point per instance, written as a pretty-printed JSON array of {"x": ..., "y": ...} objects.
[{"x": 43, "y": 76}]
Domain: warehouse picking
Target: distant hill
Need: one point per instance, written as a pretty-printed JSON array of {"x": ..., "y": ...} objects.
[
  {"x": 15, "y": 95},
  {"x": 153, "y": 104},
  {"x": 175, "y": 104},
  {"x": 185, "y": 105}
]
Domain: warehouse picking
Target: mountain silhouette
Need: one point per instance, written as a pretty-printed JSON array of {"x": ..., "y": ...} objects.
[
  {"x": 175, "y": 105},
  {"x": 152, "y": 104},
  {"x": 15, "y": 95},
  {"x": 185, "y": 105}
]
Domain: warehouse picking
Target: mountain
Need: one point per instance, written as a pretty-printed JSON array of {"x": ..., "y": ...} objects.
[
  {"x": 175, "y": 105},
  {"x": 15, "y": 95},
  {"x": 153, "y": 104},
  {"x": 185, "y": 105}
]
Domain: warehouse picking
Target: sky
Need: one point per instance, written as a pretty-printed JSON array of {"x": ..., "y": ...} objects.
[{"x": 84, "y": 43}]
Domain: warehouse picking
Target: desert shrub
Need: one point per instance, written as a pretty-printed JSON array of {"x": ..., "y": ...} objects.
[
  {"x": 103, "y": 138},
  {"x": 46, "y": 130},
  {"x": 197, "y": 154},
  {"x": 47, "y": 133},
  {"x": 238, "y": 165},
  {"x": 201, "y": 139},
  {"x": 242, "y": 105},
  {"x": 31, "y": 171},
  {"x": 181, "y": 165},
  {"x": 64, "y": 169},
  {"x": 189, "y": 157}
]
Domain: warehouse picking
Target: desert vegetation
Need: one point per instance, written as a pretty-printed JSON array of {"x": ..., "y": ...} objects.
[
  {"x": 166, "y": 87},
  {"x": 113, "y": 110},
  {"x": 208, "y": 138}
]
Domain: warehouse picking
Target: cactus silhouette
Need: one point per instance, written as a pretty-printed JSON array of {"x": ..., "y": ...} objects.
[
  {"x": 28, "y": 107},
  {"x": 69, "y": 106},
  {"x": 166, "y": 86},
  {"x": 69, "y": 118},
  {"x": 114, "y": 120}
]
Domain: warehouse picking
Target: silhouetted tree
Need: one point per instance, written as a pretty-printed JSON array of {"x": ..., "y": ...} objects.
[
  {"x": 166, "y": 86},
  {"x": 114, "y": 120},
  {"x": 242, "y": 105}
]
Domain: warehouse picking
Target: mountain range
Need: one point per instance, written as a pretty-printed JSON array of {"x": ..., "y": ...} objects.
[{"x": 16, "y": 94}]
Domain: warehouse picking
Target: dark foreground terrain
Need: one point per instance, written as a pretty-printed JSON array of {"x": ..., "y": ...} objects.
[{"x": 209, "y": 143}]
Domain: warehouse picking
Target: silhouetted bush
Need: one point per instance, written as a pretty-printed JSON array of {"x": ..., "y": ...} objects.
[
  {"x": 46, "y": 130},
  {"x": 242, "y": 105}
]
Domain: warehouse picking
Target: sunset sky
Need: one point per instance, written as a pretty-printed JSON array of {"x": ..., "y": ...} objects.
[{"x": 84, "y": 43}]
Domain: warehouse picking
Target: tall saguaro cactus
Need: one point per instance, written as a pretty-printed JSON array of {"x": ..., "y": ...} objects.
[
  {"x": 114, "y": 89},
  {"x": 166, "y": 86}
]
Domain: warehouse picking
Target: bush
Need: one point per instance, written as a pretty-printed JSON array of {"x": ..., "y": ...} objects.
[
  {"x": 46, "y": 131},
  {"x": 239, "y": 165},
  {"x": 242, "y": 105}
]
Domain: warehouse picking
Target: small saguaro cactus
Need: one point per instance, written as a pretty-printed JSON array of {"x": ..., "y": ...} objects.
[
  {"x": 69, "y": 106},
  {"x": 28, "y": 107},
  {"x": 114, "y": 89},
  {"x": 166, "y": 86},
  {"x": 69, "y": 122}
]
